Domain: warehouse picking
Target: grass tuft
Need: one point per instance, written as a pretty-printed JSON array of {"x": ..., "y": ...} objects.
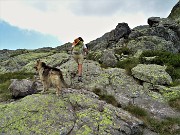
[
  {"x": 108, "y": 98},
  {"x": 135, "y": 110},
  {"x": 163, "y": 127}
]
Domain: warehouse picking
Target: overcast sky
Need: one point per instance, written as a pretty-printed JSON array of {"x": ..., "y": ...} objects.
[{"x": 90, "y": 19}]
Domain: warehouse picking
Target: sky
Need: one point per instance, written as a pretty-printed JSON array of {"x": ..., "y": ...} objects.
[{"x": 90, "y": 19}]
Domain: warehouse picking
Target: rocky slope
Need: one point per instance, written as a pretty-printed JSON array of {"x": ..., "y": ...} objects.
[{"x": 99, "y": 105}]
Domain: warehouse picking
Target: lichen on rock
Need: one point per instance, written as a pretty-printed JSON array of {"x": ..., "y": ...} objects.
[{"x": 70, "y": 113}]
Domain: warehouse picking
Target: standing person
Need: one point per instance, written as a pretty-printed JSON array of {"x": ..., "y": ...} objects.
[{"x": 79, "y": 49}]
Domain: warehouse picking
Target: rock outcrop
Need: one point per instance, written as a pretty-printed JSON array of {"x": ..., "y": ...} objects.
[
  {"x": 75, "y": 112},
  {"x": 110, "y": 39},
  {"x": 175, "y": 13}
]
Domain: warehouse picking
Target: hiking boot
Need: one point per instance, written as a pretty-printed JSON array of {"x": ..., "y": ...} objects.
[{"x": 79, "y": 78}]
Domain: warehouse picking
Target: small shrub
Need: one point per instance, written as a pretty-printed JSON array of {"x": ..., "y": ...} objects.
[
  {"x": 175, "y": 103},
  {"x": 94, "y": 56},
  {"x": 110, "y": 99},
  {"x": 172, "y": 61},
  {"x": 124, "y": 50},
  {"x": 128, "y": 64},
  {"x": 164, "y": 127},
  {"x": 160, "y": 59},
  {"x": 104, "y": 66},
  {"x": 97, "y": 91},
  {"x": 175, "y": 83},
  {"x": 163, "y": 58},
  {"x": 173, "y": 72}
]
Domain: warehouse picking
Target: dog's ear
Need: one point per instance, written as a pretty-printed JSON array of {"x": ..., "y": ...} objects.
[{"x": 43, "y": 64}]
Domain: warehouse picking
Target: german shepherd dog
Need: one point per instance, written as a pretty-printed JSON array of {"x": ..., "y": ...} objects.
[{"x": 50, "y": 76}]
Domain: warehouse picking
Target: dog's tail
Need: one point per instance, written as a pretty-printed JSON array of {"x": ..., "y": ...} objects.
[{"x": 62, "y": 80}]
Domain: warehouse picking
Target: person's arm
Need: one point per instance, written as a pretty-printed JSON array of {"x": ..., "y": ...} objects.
[
  {"x": 85, "y": 49},
  {"x": 71, "y": 49}
]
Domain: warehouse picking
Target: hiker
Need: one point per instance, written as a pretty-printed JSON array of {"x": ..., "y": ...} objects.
[{"x": 79, "y": 49}]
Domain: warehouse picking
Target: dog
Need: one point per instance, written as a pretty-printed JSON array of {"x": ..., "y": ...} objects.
[{"x": 50, "y": 76}]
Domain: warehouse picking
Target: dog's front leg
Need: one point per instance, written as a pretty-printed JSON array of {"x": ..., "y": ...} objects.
[{"x": 45, "y": 86}]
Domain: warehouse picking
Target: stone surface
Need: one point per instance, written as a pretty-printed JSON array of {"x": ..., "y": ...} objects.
[
  {"x": 108, "y": 58},
  {"x": 22, "y": 88},
  {"x": 175, "y": 12},
  {"x": 75, "y": 112},
  {"x": 152, "y": 73}
]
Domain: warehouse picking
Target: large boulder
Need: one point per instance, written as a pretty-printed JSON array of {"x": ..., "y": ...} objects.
[
  {"x": 122, "y": 30},
  {"x": 75, "y": 112},
  {"x": 110, "y": 39},
  {"x": 175, "y": 13},
  {"x": 161, "y": 34},
  {"x": 108, "y": 58},
  {"x": 152, "y": 73},
  {"x": 22, "y": 88},
  {"x": 151, "y": 43}
]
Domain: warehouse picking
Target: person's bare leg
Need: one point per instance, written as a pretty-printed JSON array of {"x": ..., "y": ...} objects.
[{"x": 80, "y": 72}]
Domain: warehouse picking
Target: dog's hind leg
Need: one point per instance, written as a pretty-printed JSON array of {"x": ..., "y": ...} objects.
[{"x": 58, "y": 90}]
